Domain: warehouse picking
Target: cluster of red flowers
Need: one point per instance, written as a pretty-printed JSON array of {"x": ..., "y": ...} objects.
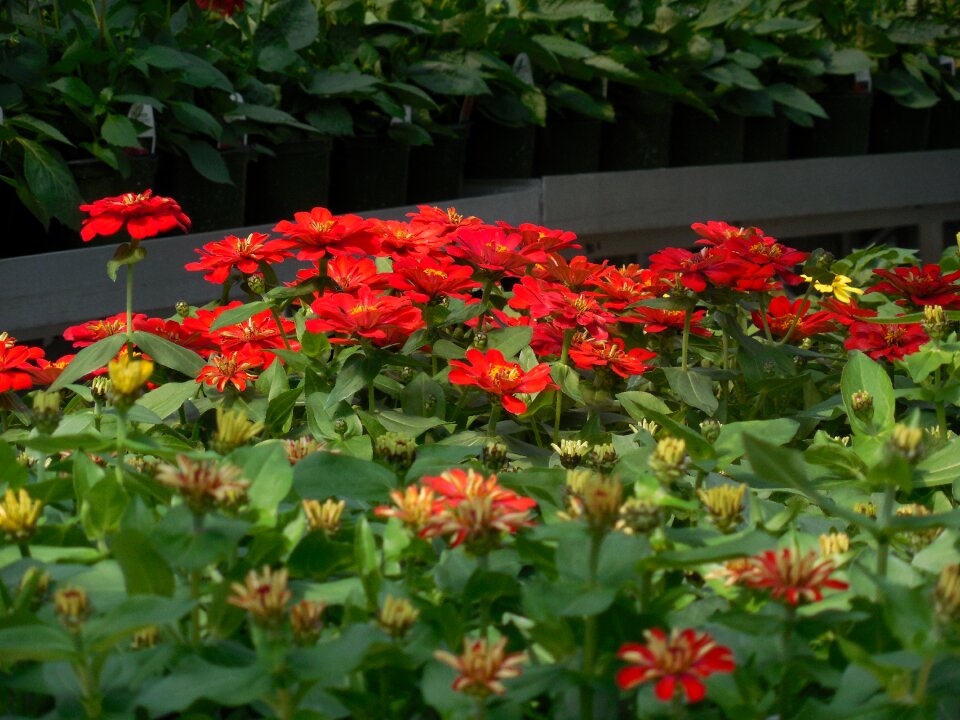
[{"x": 462, "y": 504}]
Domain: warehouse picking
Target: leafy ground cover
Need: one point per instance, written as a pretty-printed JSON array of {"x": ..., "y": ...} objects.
[{"x": 457, "y": 470}]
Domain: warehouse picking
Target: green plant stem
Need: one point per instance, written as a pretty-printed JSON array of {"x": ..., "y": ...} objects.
[
  {"x": 536, "y": 433},
  {"x": 494, "y": 416},
  {"x": 558, "y": 406},
  {"x": 277, "y": 319},
  {"x": 590, "y": 633},
  {"x": 24, "y": 547},
  {"x": 371, "y": 397},
  {"x": 195, "y": 577},
  {"x": 763, "y": 316},
  {"x": 130, "y": 310},
  {"x": 89, "y": 682},
  {"x": 483, "y": 565},
  {"x": 923, "y": 677},
  {"x": 646, "y": 586},
  {"x": 41, "y": 467},
  {"x": 886, "y": 512},
  {"x": 121, "y": 444},
  {"x": 786, "y": 652},
  {"x": 939, "y": 404},
  {"x": 685, "y": 344}
]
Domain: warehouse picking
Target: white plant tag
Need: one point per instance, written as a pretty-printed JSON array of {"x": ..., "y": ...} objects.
[
  {"x": 604, "y": 87},
  {"x": 144, "y": 114},
  {"x": 238, "y": 99},
  {"x": 947, "y": 64},
  {"x": 863, "y": 81},
  {"x": 523, "y": 68},
  {"x": 407, "y": 116}
]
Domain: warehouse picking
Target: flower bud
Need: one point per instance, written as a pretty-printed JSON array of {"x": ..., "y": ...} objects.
[
  {"x": 264, "y": 595},
  {"x": 19, "y": 514},
  {"x": 916, "y": 540},
  {"x": 480, "y": 341},
  {"x": 907, "y": 442},
  {"x": 935, "y": 321},
  {"x": 407, "y": 374},
  {"x": 72, "y": 606},
  {"x": 100, "y": 388},
  {"x": 397, "y": 616},
  {"x": 725, "y": 505},
  {"x": 600, "y": 498},
  {"x": 867, "y": 508},
  {"x": 127, "y": 378},
  {"x": 638, "y": 516},
  {"x": 182, "y": 308},
  {"x": 571, "y": 452},
  {"x": 256, "y": 284},
  {"x": 324, "y": 517},
  {"x": 669, "y": 462},
  {"x": 297, "y": 449},
  {"x": 46, "y": 411},
  {"x": 398, "y": 450},
  {"x": 494, "y": 455},
  {"x": 36, "y": 582},
  {"x": 233, "y": 430},
  {"x": 603, "y": 458},
  {"x": 862, "y": 403},
  {"x": 306, "y": 619},
  {"x": 947, "y": 594},
  {"x": 710, "y": 429},
  {"x": 340, "y": 427},
  {"x": 834, "y": 544},
  {"x": 145, "y": 638}
]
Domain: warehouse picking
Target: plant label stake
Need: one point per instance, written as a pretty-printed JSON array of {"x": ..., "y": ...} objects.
[
  {"x": 144, "y": 115},
  {"x": 523, "y": 68}
]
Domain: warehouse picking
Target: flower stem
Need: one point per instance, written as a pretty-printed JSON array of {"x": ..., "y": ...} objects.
[
  {"x": 195, "y": 578},
  {"x": 685, "y": 344},
  {"x": 763, "y": 316},
  {"x": 494, "y": 416},
  {"x": 886, "y": 512},
  {"x": 558, "y": 408},
  {"x": 796, "y": 317},
  {"x": 786, "y": 651},
  {"x": 939, "y": 404},
  {"x": 279, "y": 322},
  {"x": 130, "y": 310},
  {"x": 121, "y": 444},
  {"x": 590, "y": 633}
]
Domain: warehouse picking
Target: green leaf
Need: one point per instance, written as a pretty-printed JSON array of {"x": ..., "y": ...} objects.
[
  {"x": 334, "y": 81},
  {"x": 863, "y": 373},
  {"x": 169, "y": 354},
  {"x": 103, "y": 507},
  {"x": 509, "y": 340},
  {"x": 785, "y": 25},
  {"x": 93, "y": 357},
  {"x": 269, "y": 472},
  {"x": 133, "y": 614},
  {"x": 848, "y": 61},
  {"x": 118, "y": 130},
  {"x": 749, "y": 542},
  {"x": 239, "y": 314},
  {"x": 207, "y": 161},
  {"x": 75, "y": 89},
  {"x": 280, "y": 409},
  {"x": 323, "y": 475},
  {"x": 573, "y": 98},
  {"x": 38, "y": 126},
  {"x": 365, "y": 549},
  {"x": 423, "y": 396},
  {"x": 793, "y": 97},
  {"x": 291, "y": 23},
  {"x": 568, "y": 379},
  {"x": 560, "y": 10},
  {"x": 729, "y": 444},
  {"x": 940, "y": 468},
  {"x": 445, "y": 78},
  {"x": 14, "y": 473},
  {"x": 319, "y": 557},
  {"x": 145, "y": 571},
  {"x": 414, "y": 425},
  {"x": 42, "y": 643},
  {"x": 693, "y": 388},
  {"x": 196, "y": 119},
  {"x": 195, "y": 71},
  {"x": 169, "y": 397},
  {"x": 51, "y": 182},
  {"x": 127, "y": 254},
  {"x": 195, "y": 678},
  {"x": 563, "y": 47},
  {"x": 718, "y": 12},
  {"x": 643, "y": 406}
]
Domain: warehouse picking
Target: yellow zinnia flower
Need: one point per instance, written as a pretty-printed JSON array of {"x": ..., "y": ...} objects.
[{"x": 840, "y": 287}]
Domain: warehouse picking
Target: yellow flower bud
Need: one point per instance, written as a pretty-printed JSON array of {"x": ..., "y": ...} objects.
[
  {"x": 397, "y": 616},
  {"x": 325, "y": 516},
  {"x": 725, "y": 505},
  {"x": 19, "y": 515}
]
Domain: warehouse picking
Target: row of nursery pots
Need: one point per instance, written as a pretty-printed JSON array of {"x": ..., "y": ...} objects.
[{"x": 365, "y": 173}]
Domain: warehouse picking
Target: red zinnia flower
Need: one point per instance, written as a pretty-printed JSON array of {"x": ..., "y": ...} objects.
[
  {"x": 782, "y": 313},
  {"x": 259, "y": 332},
  {"x": 692, "y": 270},
  {"x": 474, "y": 509},
  {"x": 493, "y": 251},
  {"x": 349, "y": 274},
  {"x": 400, "y": 238},
  {"x": 573, "y": 274},
  {"x": 880, "y": 340},
  {"x": 16, "y": 372},
  {"x": 565, "y": 309},
  {"x": 424, "y": 278},
  {"x": 482, "y": 666},
  {"x": 443, "y": 221},
  {"x": 537, "y": 237},
  {"x": 381, "y": 319},
  {"x": 46, "y": 372},
  {"x": 659, "y": 319},
  {"x": 786, "y": 575},
  {"x": 181, "y": 334},
  {"x": 719, "y": 232},
  {"x": 593, "y": 353},
  {"x": 619, "y": 287},
  {"x": 232, "y": 367},
  {"x": 224, "y": 7},
  {"x": 217, "y": 259},
  {"x": 490, "y": 372},
  {"x": 90, "y": 332},
  {"x": 143, "y": 216},
  {"x": 920, "y": 286},
  {"x": 685, "y": 656},
  {"x": 318, "y": 232},
  {"x": 846, "y": 313}
]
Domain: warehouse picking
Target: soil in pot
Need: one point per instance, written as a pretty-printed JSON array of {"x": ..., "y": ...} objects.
[
  {"x": 945, "y": 125},
  {"x": 766, "y": 139},
  {"x": 568, "y": 145},
  {"x": 209, "y": 205},
  {"x": 845, "y": 131},
  {"x": 436, "y": 171},
  {"x": 296, "y": 178},
  {"x": 896, "y": 128},
  {"x": 495, "y": 150},
  {"x": 698, "y": 139},
  {"x": 368, "y": 172}
]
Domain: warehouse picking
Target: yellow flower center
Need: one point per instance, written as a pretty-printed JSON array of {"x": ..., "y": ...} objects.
[
  {"x": 434, "y": 272},
  {"x": 503, "y": 373},
  {"x": 322, "y": 227}
]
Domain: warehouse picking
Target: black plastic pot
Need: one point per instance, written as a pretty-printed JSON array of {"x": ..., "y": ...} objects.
[
  {"x": 568, "y": 146},
  {"x": 766, "y": 139},
  {"x": 698, "y": 139},
  {"x": 368, "y": 172},
  {"x": 209, "y": 205},
  {"x": 945, "y": 125},
  {"x": 436, "y": 171},
  {"x": 296, "y": 178},
  {"x": 895, "y": 128},
  {"x": 500, "y": 151},
  {"x": 845, "y": 132},
  {"x": 637, "y": 139}
]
